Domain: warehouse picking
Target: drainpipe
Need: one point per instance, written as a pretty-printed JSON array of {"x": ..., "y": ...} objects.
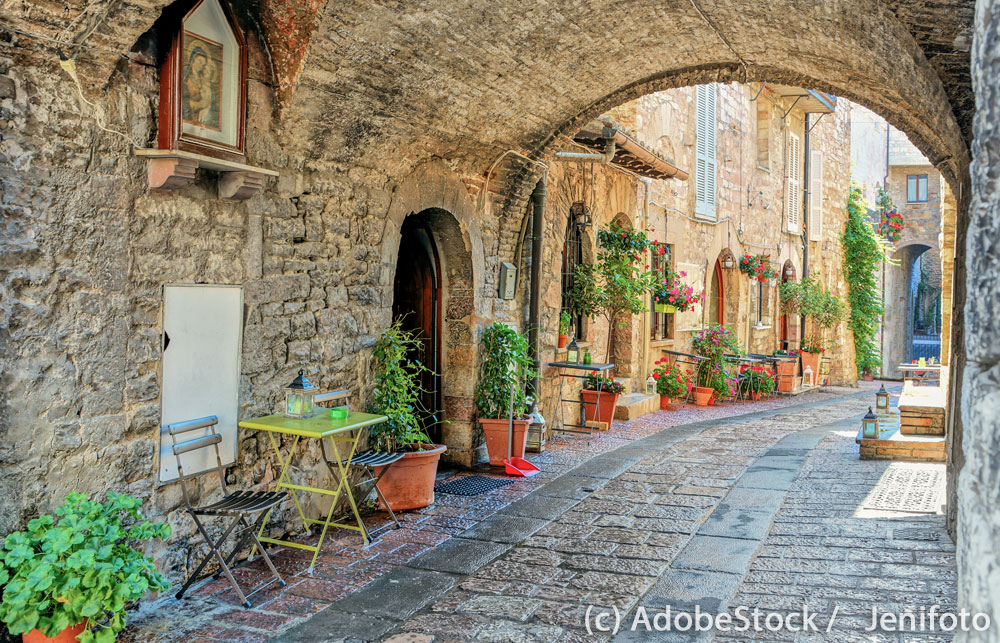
[
  {"x": 805, "y": 223},
  {"x": 606, "y": 157},
  {"x": 535, "y": 297}
]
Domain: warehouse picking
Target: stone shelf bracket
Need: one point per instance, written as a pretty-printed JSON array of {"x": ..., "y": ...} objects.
[{"x": 173, "y": 169}]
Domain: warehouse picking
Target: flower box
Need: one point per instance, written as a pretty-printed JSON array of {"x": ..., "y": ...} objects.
[{"x": 664, "y": 308}]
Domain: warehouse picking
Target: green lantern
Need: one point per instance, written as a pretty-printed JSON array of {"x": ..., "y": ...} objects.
[{"x": 299, "y": 402}]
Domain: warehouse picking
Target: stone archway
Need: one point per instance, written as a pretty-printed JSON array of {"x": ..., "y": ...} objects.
[
  {"x": 900, "y": 297},
  {"x": 788, "y": 328},
  {"x": 433, "y": 199}
]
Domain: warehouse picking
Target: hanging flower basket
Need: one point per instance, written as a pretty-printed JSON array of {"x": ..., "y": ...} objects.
[
  {"x": 758, "y": 267},
  {"x": 671, "y": 295},
  {"x": 891, "y": 225}
]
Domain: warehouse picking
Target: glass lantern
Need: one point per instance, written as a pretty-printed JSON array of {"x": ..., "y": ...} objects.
[
  {"x": 869, "y": 426},
  {"x": 650, "y": 385},
  {"x": 882, "y": 399},
  {"x": 299, "y": 396},
  {"x": 573, "y": 352}
]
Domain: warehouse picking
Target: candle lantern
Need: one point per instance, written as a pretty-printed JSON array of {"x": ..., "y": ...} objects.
[
  {"x": 573, "y": 352},
  {"x": 882, "y": 399},
  {"x": 869, "y": 426},
  {"x": 299, "y": 402},
  {"x": 728, "y": 261}
]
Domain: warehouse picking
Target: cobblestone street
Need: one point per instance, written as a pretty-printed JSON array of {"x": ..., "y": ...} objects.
[{"x": 760, "y": 505}]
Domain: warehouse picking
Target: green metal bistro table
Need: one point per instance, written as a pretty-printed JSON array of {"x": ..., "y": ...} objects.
[{"x": 345, "y": 432}]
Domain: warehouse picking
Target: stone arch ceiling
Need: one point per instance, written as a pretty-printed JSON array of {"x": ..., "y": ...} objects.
[{"x": 392, "y": 82}]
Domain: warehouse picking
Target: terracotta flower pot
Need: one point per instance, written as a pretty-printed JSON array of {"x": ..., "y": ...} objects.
[
  {"x": 496, "y": 439},
  {"x": 599, "y": 412},
  {"x": 409, "y": 482},
  {"x": 562, "y": 341},
  {"x": 786, "y": 376},
  {"x": 664, "y": 402},
  {"x": 66, "y": 636},
  {"x": 812, "y": 361},
  {"x": 755, "y": 396},
  {"x": 703, "y": 395}
]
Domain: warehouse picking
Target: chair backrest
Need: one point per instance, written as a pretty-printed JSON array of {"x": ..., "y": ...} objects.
[
  {"x": 211, "y": 440},
  {"x": 330, "y": 396}
]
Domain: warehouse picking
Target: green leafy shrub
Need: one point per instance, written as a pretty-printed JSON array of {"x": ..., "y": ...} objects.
[
  {"x": 506, "y": 365},
  {"x": 564, "y": 321},
  {"x": 864, "y": 251},
  {"x": 83, "y": 567},
  {"x": 397, "y": 390}
]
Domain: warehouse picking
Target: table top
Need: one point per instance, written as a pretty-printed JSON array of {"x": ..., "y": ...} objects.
[
  {"x": 680, "y": 354},
  {"x": 582, "y": 367},
  {"x": 918, "y": 367},
  {"x": 318, "y": 426}
]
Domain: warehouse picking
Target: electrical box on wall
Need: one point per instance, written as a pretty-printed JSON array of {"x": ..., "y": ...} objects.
[{"x": 508, "y": 280}]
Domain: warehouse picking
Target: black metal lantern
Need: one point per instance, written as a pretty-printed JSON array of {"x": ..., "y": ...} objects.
[
  {"x": 789, "y": 271},
  {"x": 299, "y": 402},
  {"x": 573, "y": 352},
  {"x": 882, "y": 399},
  {"x": 869, "y": 426},
  {"x": 728, "y": 261}
]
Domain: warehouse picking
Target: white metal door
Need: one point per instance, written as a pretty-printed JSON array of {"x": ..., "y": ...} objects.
[{"x": 202, "y": 338}]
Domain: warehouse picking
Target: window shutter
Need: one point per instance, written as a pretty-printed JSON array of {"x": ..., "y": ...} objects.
[
  {"x": 705, "y": 163},
  {"x": 793, "y": 200},
  {"x": 815, "y": 195}
]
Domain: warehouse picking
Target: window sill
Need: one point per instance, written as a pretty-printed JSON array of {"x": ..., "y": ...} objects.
[
  {"x": 764, "y": 169},
  {"x": 659, "y": 343},
  {"x": 762, "y": 327}
]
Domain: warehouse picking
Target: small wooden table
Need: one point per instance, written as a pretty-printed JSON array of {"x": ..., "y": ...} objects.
[
  {"x": 320, "y": 427},
  {"x": 916, "y": 373}
]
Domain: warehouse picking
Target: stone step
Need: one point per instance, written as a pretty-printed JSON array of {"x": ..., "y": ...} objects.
[{"x": 636, "y": 405}]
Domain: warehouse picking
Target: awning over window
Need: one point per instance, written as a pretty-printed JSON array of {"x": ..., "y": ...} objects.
[
  {"x": 809, "y": 100},
  {"x": 629, "y": 153}
]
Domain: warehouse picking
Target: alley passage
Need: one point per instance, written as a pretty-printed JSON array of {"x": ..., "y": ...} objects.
[{"x": 769, "y": 509}]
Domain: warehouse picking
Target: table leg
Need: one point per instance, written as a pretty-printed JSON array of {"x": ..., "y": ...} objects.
[{"x": 282, "y": 478}]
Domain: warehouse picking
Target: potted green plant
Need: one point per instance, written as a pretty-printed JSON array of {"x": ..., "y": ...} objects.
[
  {"x": 506, "y": 364},
  {"x": 600, "y": 397},
  {"x": 714, "y": 381},
  {"x": 819, "y": 306},
  {"x": 564, "y": 322},
  {"x": 615, "y": 285},
  {"x": 671, "y": 382},
  {"x": 71, "y": 578},
  {"x": 409, "y": 482}
]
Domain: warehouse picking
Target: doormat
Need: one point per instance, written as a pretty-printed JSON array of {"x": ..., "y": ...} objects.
[
  {"x": 471, "y": 485},
  {"x": 909, "y": 488}
]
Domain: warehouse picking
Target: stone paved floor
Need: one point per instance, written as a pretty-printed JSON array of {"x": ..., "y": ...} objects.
[{"x": 672, "y": 507}]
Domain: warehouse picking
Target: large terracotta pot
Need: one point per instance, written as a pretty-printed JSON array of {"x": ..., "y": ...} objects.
[
  {"x": 409, "y": 482},
  {"x": 664, "y": 402},
  {"x": 812, "y": 361},
  {"x": 496, "y": 439},
  {"x": 66, "y": 636},
  {"x": 786, "y": 376},
  {"x": 703, "y": 395},
  {"x": 604, "y": 411},
  {"x": 562, "y": 341}
]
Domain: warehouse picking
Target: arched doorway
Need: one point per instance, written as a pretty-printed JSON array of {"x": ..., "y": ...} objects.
[
  {"x": 717, "y": 296},
  {"x": 724, "y": 292},
  {"x": 416, "y": 302}
]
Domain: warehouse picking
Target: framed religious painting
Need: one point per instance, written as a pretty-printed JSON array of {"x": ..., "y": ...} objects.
[{"x": 203, "y": 83}]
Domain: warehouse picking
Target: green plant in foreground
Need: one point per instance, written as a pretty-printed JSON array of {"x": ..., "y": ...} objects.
[
  {"x": 83, "y": 567},
  {"x": 863, "y": 252},
  {"x": 564, "y": 322},
  {"x": 506, "y": 365},
  {"x": 397, "y": 390}
]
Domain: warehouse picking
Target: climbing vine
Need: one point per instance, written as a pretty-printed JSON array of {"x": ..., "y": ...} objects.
[{"x": 864, "y": 251}]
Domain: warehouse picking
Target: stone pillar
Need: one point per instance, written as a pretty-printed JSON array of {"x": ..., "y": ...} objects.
[
  {"x": 946, "y": 242},
  {"x": 978, "y": 495}
]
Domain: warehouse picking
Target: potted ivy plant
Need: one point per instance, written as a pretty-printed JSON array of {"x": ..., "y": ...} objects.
[
  {"x": 564, "y": 322},
  {"x": 409, "y": 482},
  {"x": 600, "y": 397},
  {"x": 714, "y": 381},
  {"x": 70, "y": 578},
  {"x": 506, "y": 364}
]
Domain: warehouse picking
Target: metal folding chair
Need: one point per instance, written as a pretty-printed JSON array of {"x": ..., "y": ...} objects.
[
  {"x": 238, "y": 505},
  {"x": 367, "y": 461}
]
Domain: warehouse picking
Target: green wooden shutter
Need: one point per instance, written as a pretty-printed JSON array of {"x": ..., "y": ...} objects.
[{"x": 705, "y": 163}]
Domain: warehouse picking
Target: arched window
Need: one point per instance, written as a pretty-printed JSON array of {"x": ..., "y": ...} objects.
[{"x": 572, "y": 256}]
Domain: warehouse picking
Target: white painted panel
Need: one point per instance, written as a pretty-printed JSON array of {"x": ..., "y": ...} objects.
[{"x": 201, "y": 370}]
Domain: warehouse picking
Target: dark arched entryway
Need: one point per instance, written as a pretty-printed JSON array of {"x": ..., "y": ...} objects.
[{"x": 417, "y": 302}]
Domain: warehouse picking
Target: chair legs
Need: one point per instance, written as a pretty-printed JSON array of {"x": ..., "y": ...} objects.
[{"x": 215, "y": 548}]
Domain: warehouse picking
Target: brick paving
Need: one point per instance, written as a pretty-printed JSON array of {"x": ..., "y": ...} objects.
[{"x": 603, "y": 535}]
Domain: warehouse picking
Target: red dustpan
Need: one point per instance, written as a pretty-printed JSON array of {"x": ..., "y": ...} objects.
[
  {"x": 519, "y": 467},
  {"x": 512, "y": 465}
]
